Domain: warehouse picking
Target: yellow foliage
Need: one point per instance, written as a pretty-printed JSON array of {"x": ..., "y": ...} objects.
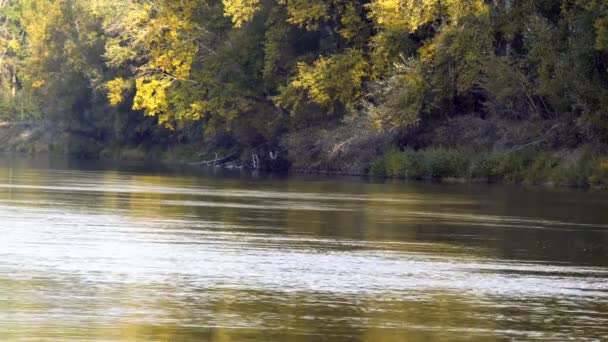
[
  {"x": 409, "y": 15},
  {"x": 403, "y": 15},
  {"x": 240, "y": 11},
  {"x": 14, "y": 45},
  {"x": 151, "y": 95},
  {"x": 351, "y": 22},
  {"x": 165, "y": 39},
  {"x": 38, "y": 84},
  {"x": 303, "y": 13},
  {"x": 116, "y": 89},
  {"x": 306, "y": 13},
  {"x": 329, "y": 81}
]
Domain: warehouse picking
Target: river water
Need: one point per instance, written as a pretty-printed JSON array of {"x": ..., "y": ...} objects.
[{"x": 104, "y": 252}]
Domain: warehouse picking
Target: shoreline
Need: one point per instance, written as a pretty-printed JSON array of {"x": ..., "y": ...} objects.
[{"x": 585, "y": 167}]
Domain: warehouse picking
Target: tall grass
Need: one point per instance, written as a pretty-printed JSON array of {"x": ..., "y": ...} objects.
[{"x": 526, "y": 166}]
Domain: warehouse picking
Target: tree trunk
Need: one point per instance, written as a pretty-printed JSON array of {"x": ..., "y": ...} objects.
[{"x": 14, "y": 82}]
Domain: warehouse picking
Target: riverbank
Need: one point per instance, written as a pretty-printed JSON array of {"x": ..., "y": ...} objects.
[
  {"x": 585, "y": 166},
  {"x": 27, "y": 137},
  {"x": 45, "y": 137}
]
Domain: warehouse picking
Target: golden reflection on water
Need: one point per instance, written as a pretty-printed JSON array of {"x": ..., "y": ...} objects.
[{"x": 147, "y": 254}]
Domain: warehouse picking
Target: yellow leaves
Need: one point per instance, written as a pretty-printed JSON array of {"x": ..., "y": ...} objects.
[
  {"x": 311, "y": 79},
  {"x": 172, "y": 49},
  {"x": 116, "y": 89},
  {"x": 329, "y": 81},
  {"x": 303, "y": 13},
  {"x": 163, "y": 39},
  {"x": 136, "y": 17},
  {"x": 164, "y": 120},
  {"x": 351, "y": 22},
  {"x": 175, "y": 63},
  {"x": 197, "y": 110},
  {"x": 427, "y": 52},
  {"x": 306, "y": 13},
  {"x": 409, "y": 15},
  {"x": 458, "y": 9},
  {"x": 38, "y": 84},
  {"x": 14, "y": 45},
  {"x": 241, "y": 11},
  {"x": 172, "y": 103},
  {"x": 403, "y": 15},
  {"x": 151, "y": 95}
]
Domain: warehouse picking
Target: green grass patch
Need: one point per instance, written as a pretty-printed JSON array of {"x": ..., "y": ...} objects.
[{"x": 526, "y": 166}]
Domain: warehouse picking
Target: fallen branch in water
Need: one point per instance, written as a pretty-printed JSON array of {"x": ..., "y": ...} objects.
[{"x": 216, "y": 161}]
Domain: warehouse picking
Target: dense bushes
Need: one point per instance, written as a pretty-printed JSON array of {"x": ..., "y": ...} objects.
[
  {"x": 347, "y": 148},
  {"x": 18, "y": 108},
  {"x": 527, "y": 166}
]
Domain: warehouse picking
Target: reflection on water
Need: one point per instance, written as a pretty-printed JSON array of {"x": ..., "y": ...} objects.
[{"x": 102, "y": 253}]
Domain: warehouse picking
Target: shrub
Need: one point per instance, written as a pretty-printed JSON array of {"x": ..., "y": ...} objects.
[
  {"x": 394, "y": 163},
  {"x": 541, "y": 167},
  {"x": 520, "y": 166},
  {"x": 378, "y": 168},
  {"x": 513, "y": 166},
  {"x": 484, "y": 166},
  {"x": 413, "y": 165},
  {"x": 445, "y": 163},
  {"x": 19, "y": 108},
  {"x": 600, "y": 173}
]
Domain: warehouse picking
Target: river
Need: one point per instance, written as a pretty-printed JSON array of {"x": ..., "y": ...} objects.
[{"x": 93, "y": 251}]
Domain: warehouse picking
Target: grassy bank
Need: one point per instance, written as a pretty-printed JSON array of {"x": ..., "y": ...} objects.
[
  {"x": 585, "y": 166},
  {"x": 581, "y": 168}
]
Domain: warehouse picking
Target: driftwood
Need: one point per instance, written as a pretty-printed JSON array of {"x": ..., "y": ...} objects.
[
  {"x": 216, "y": 161},
  {"x": 256, "y": 162}
]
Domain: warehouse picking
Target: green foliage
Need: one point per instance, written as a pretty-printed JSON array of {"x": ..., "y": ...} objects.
[
  {"x": 400, "y": 99},
  {"x": 21, "y": 107},
  {"x": 427, "y": 164},
  {"x": 599, "y": 175},
  {"x": 525, "y": 166},
  {"x": 445, "y": 164},
  {"x": 483, "y": 166}
]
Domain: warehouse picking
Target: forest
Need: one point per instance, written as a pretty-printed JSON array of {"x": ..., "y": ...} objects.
[{"x": 496, "y": 90}]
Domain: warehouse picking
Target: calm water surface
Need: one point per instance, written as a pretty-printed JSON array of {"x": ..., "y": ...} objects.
[{"x": 101, "y": 252}]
